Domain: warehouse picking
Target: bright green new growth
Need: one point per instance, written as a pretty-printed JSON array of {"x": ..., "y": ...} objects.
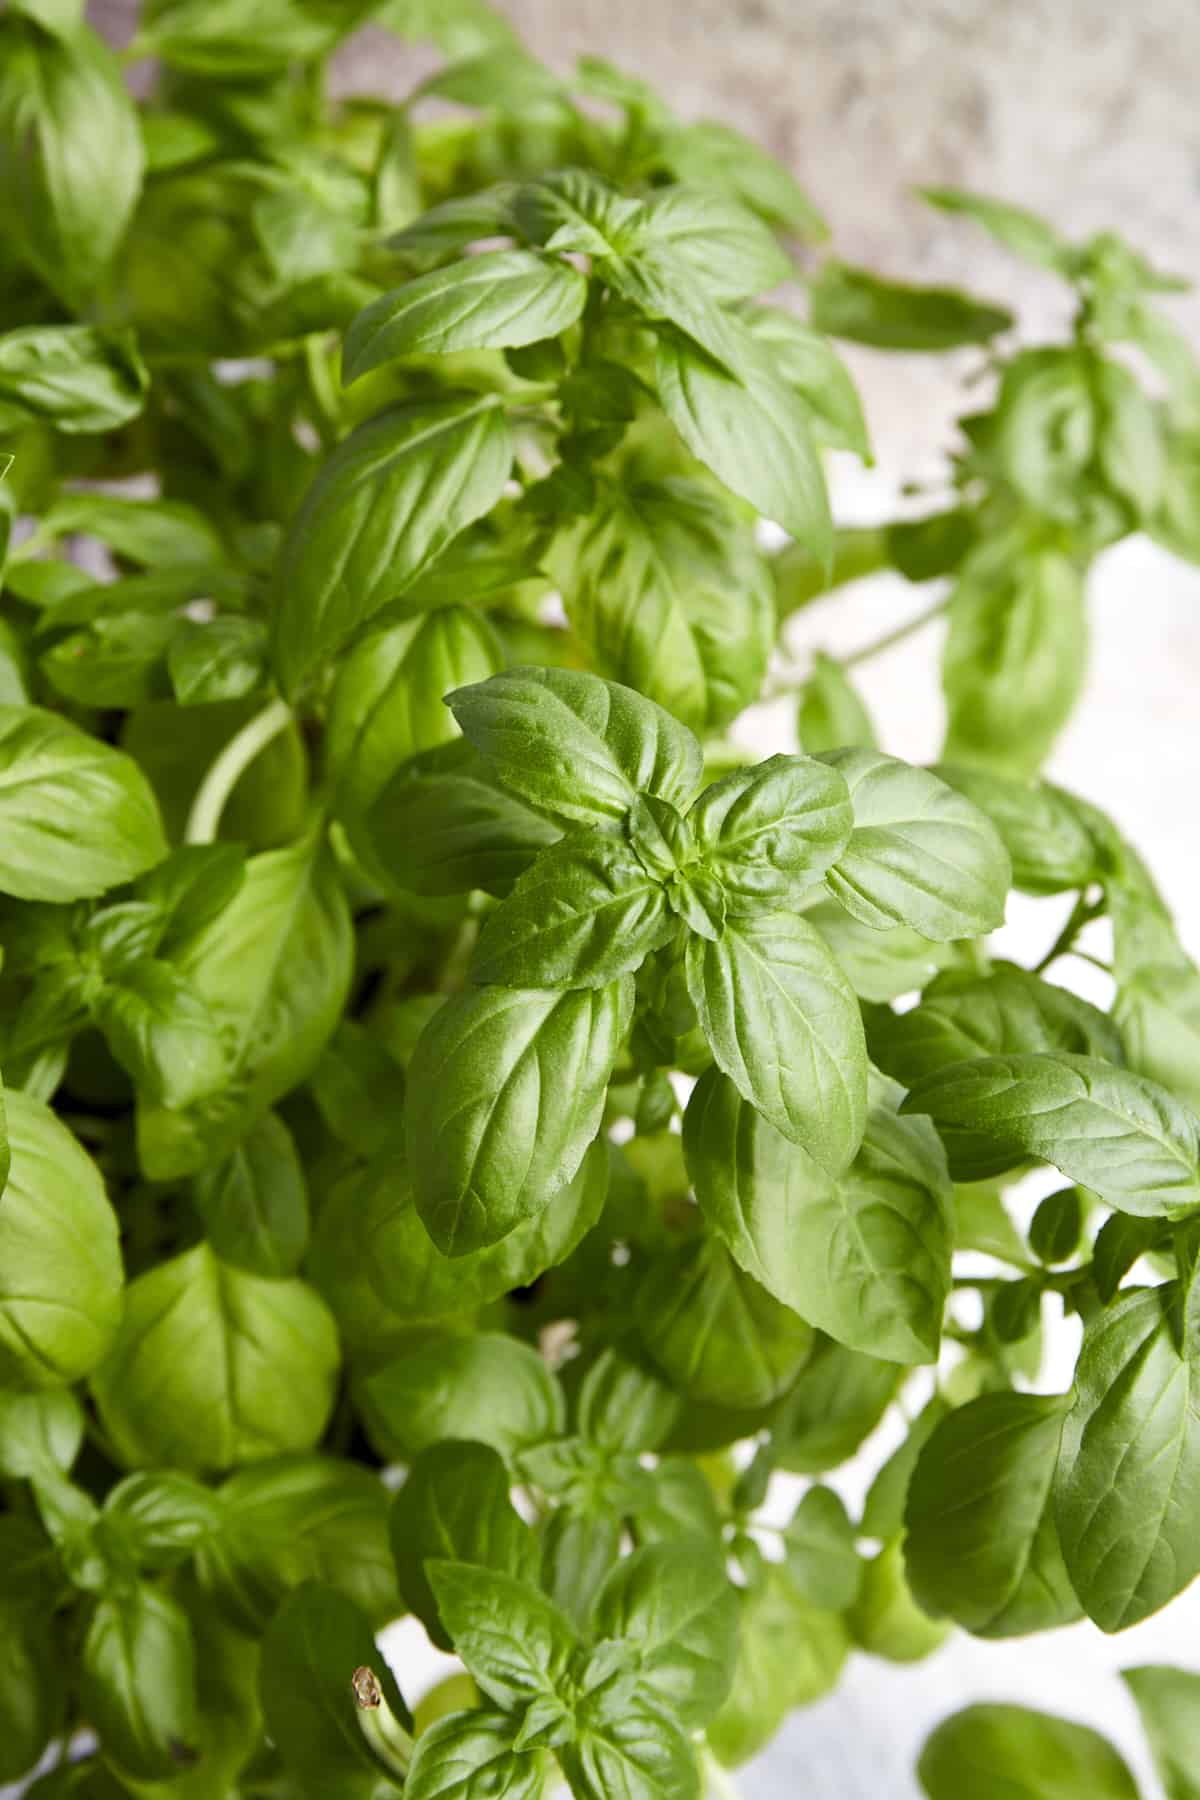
[{"x": 431, "y": 1045}]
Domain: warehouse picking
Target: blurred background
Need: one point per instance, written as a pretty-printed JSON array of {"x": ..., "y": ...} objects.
[{"x": 1086, "y": 111}]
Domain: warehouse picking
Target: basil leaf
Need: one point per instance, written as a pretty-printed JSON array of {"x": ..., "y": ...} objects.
[
  {"x": 622, "y": 1407},
  {"x": 515, "y": 1642},
  {"x": 840, "y": 1398},
  {"x": 161, "y": 1033},
  {"x": 893, "y": 315},
  {"x": 919, "y": 853},
  {"x": 40, "y": 1433},
  {"x": 751, "y": 431},
  {"x": 1045, "y": 429},
  {"x": 1157, "y": 1003},
  {"x": 1117, "y": 1133},
  {"x": 630, "y": 1747},
  {"x": 221, "y": 659},
  {"x": 70, "y": 155},
  {"x": 56, "y": 782},
  {"x": 830, "y": 714},
  {"x": 497, "y": 300},
  {"x": 674, "y": 1604},
  {"x": 444, "y": 825},
  {"x": 669, "y": 594},
  {"x": 1130, "y": 445},
  {"x": 880, "y": 965},
  {"x": 716, "y": 1333},
  {"x": 31, "y": 1698},
  {"x": 1128, "y": 1480},
  {"x": 783, "y": 1024},
  {"x": 77, "y": 378},
  {"x": 159, "y": 1519},
  {"x": 60, "y": 1261},
  {"x": 728, "y": 251},
  {"x": 1168, "y": 1703},
  {"x": 254, "y": 1204},
  {"x": 1013, "y": 1753},
  {"x": 506, "y": 1091},
  {"x": 385, "y": 504},
  {"x": 213, "y": 1366},
  {"x": 1044, "y": 832},
  {"x": 714, "y": 155},
  {"x": 774, "y": 828},
  {"x": 469, "y": 1756},
  {"x": 808, "y": 363},
  {"x": 312, "y": 1647},
  {"x": 578, "y": 747},
  {"x": 454, "y": 1506},
  {"x": 790, "y": 1654},
  {"x": 139, "y": 1681},
  {"x": 981, "y": 1544},
  {"x": 486, "y": 1387},
  {"x": 232, "y": 39},
  {"x": 885, "y": 1620},
  {"x": 818, "y": 1548},
  {"x": 1019, "y": 230},
  {"x": 413, "y": 1278}
]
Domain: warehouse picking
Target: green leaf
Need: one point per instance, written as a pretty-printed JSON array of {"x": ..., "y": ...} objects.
[
  {"x": 818, "y": 1548},
  {"x": 578, "y": 747},
  {"x": 1019, "y": 230},
  {"x": 783, "y": 1024},
  {"x": 880, "y": 965},
  {"x": 1015, "y": 657},
  {"x": 77, "y": 378},
  {"x": 722, "y": 245},
  {"x": 254, "y": 1204},
  {"x": 295, "y": 1519},
  {"x": 790, "y": 1654},
  {"x": 839, "y": 1399},
  {"x": 56, "y": 784},
  {"x": 919, "y": 853},
  {"x": 718, "y": 1335},
  {"x": 1130, "y": 446},
  {"x": 773, "y": 829},
  {"x": 1115, "y": 1132},
  {"x": 40, "y": 1433},
  {"x": 1157, "y": 1003},
  {"x": 31, "y": 1655},
  {"x": 885, "y": 1619},
  {"x": 1168, "y": 1703},
  {"x": 585, "y": 913},
  {"x": 420, "y": 1284},
  {"x": 70, "y": 156},
  {"x": 233, "y": 38},
  {"x": 1128, "y": 1482},
  {"x": 668, "y": 592},
  {"x": 1044, "y": 831},
  {"x": 830, "y": 713},
  {"x": 674, "y": 1604},
  {"x": 865, "y": 1256},
  {"x": 161, "y": 1033},
  {"x": 221, "y": 659},
  {"x": 981, "y": 1544},
  {"x": 497, "y": 300},
  {"x": 715, "y": 156},
  {"x": 469, "y": 1756},
  {"x": 139, "y": 1681},
  {"x": 312, "y": 1647},
  {"x": 454, "y": 1506},
  {"x": 384, "y": 505},
  {"x": 506, "y": 1091},
  {"x": 158, "y": 1519},
  {"x": 152, "y": 533},
  {"x": 808, "y": 363},
  {"x": 487, "y": 1387},
  {"x": 515, "y": 1642},
  {"x": 213, "y": 1366},
  {"x": 892, "y": 315},
  {"x": 630, "y": 1748},
  {"x": 1013, "y": 1753},
  {"x": 1044, "y": 435},
  {"x": 60, "y": 1261},
  {"x": 751, "y": 431}
]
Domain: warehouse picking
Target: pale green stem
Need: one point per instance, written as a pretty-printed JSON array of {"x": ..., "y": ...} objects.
[
  {"x": 718, "y": 1785},
  {"x": 229, "y": 768},
  {"x": 897, "y": 636},
  {"x": 382, "y": 1731}
]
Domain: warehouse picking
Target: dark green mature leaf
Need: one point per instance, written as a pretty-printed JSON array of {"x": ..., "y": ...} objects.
[
  {"x": 139, "y": 1681},
  {"x": 1043, "y": 830},
  {"x": 783, "y": 1024},
  {"x": 254, "y": 1204},
  {"x": 580, "y": 748},
  {"x": 630, "y": 1747},
  {"x": 674, "y": 1603},
  {"x": 58, "y": 783},
  {"x": 387, "y": 502},
  {"x": 60, "y": 1261},
  {"x": 506, "y": 1091},
  {"x": 469, "y": 1756},
  {"x": 1013, "y": 1753},
  {"x": 790, "y": 1653},
  {"x": 585, "y": 913},
  {"x": 981, "y": 1543},
  {"x": 753, "y": 433},
  {"x": 312, "y": 1647},
  {"x": 70, "y": 155},
  {"x": 775, "y": 828},
  {"x": 1118, "y": 1133},
  {"x": 866, "y": 1256},
  {"x": 454, "y": 1506},
  {"x": 487, "y": 1387},
  {"x": 1127, "y": 1491},
  {"x": 668, "y": 592},
  {"x": 213, "y": 1366},
  {"x": 717, "y": 1334},
  {"x": 1168, "y": 1702},
  {"x": 500, "y": 299},
  {"x": 77, "y": 378},
  {"x": 919, "y": 853},
  {"x": 892, "y": 315}
]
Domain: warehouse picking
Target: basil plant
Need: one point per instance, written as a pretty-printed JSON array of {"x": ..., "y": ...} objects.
[{"x": 469, "y": 1125}]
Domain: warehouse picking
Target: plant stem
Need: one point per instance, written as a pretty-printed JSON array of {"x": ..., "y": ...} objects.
[
  {"x": 718, "y": 1785},
  {"x": 382, "y": 1730},
  {"x": 1081, "y": 912},
  {"x": 897, "y": 635},
  {"x": 229, "y": 768}
]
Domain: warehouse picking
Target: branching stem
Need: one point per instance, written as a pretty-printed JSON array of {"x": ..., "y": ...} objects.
[{"x": 229, "y": 768}]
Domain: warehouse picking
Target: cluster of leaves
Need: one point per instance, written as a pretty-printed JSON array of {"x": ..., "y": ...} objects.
[{"x": 509, "y": 1094}]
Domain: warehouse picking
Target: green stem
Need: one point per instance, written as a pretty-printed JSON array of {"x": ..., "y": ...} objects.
[
  {"x": 1082, "y": 911},
  {"x": 897, "y": 635},
  {"x": 385, "y": 1736},
  {"x": 229, "y": 768}
]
